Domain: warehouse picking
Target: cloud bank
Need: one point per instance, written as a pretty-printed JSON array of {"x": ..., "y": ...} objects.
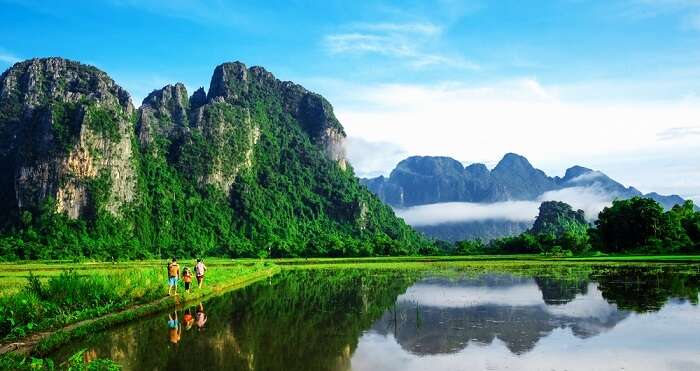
[{"x": 589, "y": 199}]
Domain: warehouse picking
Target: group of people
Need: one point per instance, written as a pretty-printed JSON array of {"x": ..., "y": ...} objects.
[
  {"x": 174, "y": 274},
  {"x": 188, "y": 321}
]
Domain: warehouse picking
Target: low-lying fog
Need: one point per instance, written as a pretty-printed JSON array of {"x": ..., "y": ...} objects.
[{"x": 589, "y": 199}]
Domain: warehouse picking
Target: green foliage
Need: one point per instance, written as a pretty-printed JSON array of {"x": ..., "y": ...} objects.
[
  {"x": 637, "y": 225},
  {"x": 470, "y": 247},
  {"x": 640, "y": 225},
  {"x": 76, "y": 362},
  {"x": 557, "y": 218},
  {"x": 69, "y": 297},
  {"x": 104, "y": 121},
  {"x": 65, "y": 125}
]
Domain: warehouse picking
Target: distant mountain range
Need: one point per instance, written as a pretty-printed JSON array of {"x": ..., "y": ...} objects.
[{"x": 423, "y": 180}]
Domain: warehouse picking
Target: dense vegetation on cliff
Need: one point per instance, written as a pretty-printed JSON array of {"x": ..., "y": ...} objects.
[{"x": 252, "y": 167}]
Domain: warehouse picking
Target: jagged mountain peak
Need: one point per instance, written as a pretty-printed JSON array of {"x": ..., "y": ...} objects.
[
  {"x": 64, "y": 125},
  {"x": 156, "y": 97},
  {"x": 430, "y": 165},
  {"x": 163, "y": 111},
  {"x": 39, "y": 80},
  {"x": 575, "y": 171},
  {"x": 477, "y": 170},
  {"x": 513, "y": 161},
  {"x": 198, "y": 98}
]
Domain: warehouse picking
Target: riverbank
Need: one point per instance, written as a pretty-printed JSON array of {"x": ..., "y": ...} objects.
[{"x": 222, "y": 276}]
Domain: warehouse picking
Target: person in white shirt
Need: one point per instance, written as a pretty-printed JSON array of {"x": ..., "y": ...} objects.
[{"x": 199, "y": 270}]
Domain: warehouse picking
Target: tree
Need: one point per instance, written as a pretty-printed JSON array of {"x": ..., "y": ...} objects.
[{"x": 633, "y": 224}]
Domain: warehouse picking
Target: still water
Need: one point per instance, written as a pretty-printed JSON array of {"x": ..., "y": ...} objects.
[{"x": 557, "y": 318}]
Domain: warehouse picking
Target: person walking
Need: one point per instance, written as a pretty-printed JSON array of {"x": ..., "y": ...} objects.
[
  {"x": 199, "y": 270},
  {"x": 173, "y": 274},
  {"x": 187, "y": 279}
]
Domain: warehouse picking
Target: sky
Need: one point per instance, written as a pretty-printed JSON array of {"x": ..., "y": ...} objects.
[{"x": 612, "y": 85}]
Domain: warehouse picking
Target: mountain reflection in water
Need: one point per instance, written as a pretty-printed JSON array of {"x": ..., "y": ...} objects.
[
  {"x": 355, "y": 319},
  {"x": 440, "y": 316}
]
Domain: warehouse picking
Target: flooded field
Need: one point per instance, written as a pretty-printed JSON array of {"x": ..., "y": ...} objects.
[{"x": 451, "y": 318}]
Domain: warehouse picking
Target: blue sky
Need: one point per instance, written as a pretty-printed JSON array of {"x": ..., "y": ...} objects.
[{"x": 405, "y": 75}]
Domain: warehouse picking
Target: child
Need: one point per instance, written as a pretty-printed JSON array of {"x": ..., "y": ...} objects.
[{"x": 187, "y": 279}]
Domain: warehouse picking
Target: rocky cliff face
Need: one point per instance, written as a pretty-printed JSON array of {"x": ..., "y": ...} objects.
[
  {"x": 423, "y": 180},
  {"x": 163, "y": 113},
  {"x": 239, "y": 86},
  {"x": 254, "y": 163},
  {"x": 225, "y": 119},
  {"x": 66, "y": 127}
]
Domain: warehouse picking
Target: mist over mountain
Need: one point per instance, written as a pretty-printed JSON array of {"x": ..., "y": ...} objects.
[{"x": 444, "y": 199}]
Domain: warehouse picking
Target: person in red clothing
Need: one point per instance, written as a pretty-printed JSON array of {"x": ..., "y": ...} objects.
[{"x": 187, "y": 278}]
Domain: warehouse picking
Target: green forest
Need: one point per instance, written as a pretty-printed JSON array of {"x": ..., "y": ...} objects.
[{"x": 633, "y": 226}]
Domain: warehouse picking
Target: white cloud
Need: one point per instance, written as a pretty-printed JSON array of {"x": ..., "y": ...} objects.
[
  {"x": 589, "y": 305},
  {"x": 456, "y": 212},
  {"x": 371, "y": 159},
  {"x": 589, "y": 199},
  {"x": 405, "y": 41},
  {"x": 678, "y": 133},
  {"x": 427, "y": 29},
  {"x": 9, "y": 58},
  {"x": 552, "y": 129}
]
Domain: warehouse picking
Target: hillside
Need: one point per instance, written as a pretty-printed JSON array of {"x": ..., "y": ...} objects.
[
  {"x": 424, "y": 180},
  {"x": 253, "y": 166}
]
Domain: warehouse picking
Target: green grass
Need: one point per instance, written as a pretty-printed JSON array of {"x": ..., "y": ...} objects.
[{"x": 51, "y": 301}]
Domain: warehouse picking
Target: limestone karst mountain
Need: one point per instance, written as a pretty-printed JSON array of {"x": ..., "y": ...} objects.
[
  {"x": 423, "y": 180},
  {"x": 253, "y": 166}
]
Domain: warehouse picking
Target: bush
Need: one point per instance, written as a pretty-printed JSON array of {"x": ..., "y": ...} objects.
[{"x": 70, "y": 297}]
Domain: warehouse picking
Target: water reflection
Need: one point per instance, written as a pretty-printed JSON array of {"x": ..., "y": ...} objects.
[
  {"x": 441, "y": 316},
  {"x": 588, "y": 318}
]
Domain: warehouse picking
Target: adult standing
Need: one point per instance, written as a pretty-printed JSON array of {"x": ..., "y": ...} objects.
[
  {"x": 173, "y": 274},
  {"x": 199, "y": 270}
]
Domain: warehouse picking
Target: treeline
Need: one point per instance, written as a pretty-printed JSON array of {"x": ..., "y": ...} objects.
[{"x": 634, "y": 226}]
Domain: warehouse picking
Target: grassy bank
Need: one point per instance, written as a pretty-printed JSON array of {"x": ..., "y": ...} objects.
[{"x": 44, "y": 312}]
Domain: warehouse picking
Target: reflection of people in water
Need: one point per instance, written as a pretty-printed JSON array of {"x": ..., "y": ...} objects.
[
  {"x": 200, "y": 317},
  {"x": 188, "y": 319},
  {"x": 174, "y": 329}
]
